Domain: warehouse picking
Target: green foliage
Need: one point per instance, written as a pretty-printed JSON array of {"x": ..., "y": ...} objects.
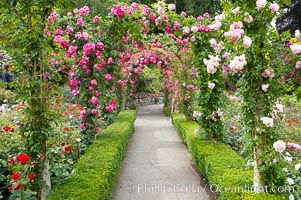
[
  {"x": 96, "y": 172},
  {"x": 132, "y": 105},
  {"x": 166, "y": 111},
  {"x": 225, "y": 171},
  {"x": 150, "y": 80}
]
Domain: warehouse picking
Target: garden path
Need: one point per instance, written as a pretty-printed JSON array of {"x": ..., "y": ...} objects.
[{"x": 157, "y": 165}]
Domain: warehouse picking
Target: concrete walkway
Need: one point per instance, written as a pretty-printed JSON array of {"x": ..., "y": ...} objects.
[{"x": 157, "y": 164}]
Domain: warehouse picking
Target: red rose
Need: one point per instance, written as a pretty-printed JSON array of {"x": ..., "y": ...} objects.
[
  {"x": 15, "y": 186},
  {"x": 23, "y": 158},
  {"x": 31, "y": 176},
  {"x": 34, "y": 163},
  {"x": 68, "y": 148},
  {"x": 12, "y": 161},
  {"x": 8, "y": 129},
  {"x": 15, "y": 176}
]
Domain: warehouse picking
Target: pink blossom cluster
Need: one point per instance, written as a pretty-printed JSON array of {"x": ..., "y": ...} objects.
[
  {"x": 212, "y": 64},
  {"x": 61, "y": 40},
  {"x": 82, "y": 115},
  {"x": 274, "y": 7},
  {"x": 145, "y": 10},
  {"x": 295, "y": 48},
  {"x": 84, "y": 10},
  {"x": 191, "y": 87},
  {"x": 298, "y": 64},
  {"x": 267, "y": 74},
  {"x": 261, "y": 4},
  {"x": 215, "y": 115},
  {"x": 247, "y": 42},
  {"x": 53, "y": 16},
  {"x": 94, "y": 100},
  {"x": 236, "y": 10},
  {"x": 73, "y": 84},
  {"x": 118, "y": 11},
  {"x": 218, "y": 47},
  {"x": 235, "y": 32},
  {"x": 248, "y": 19},
  {"x": 108, "y": 77},
  {"x": 279, "y": 146},
  {"x": 88, "y": 48},
  {"x": 265, "y": 87},
  {"x": 112, "y": 105},
  {"x": 293, "y": 146},
  {"x": 71, "y": 52},
  {"x": 83, "y": 36},
  {"x": 269, "y": 122},
  {"x": 238, "y": 63},
  {"x": 211, "y": 85}
]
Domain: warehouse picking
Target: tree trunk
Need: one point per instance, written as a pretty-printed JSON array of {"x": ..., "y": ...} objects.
[
  {"x": 46, "y": 188},
  {"x": 175, "y": 2},
  {"x": 258, "y": 184}
]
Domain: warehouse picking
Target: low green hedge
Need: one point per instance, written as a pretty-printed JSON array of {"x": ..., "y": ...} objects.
[
  {"x": 95, "y": 174},
  {"x": 225, "y": 170}
]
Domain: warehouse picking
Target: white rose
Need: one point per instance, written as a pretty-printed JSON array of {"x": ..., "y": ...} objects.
[{"x": 290, "y": 181}]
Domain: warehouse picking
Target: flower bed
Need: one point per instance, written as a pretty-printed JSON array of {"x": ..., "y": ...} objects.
[
  {"x": 225, "y": 170},
  {"x": 96, "y": 172}
]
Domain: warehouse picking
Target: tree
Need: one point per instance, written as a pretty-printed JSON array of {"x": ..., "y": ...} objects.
[{"x": 291, "y": 20}]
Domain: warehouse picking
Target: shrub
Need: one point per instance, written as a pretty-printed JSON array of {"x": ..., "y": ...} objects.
[
  {"x": 166, "y": 111},
  {"x": 225, "y": 170},
  {"x": 96, "y": 172}
]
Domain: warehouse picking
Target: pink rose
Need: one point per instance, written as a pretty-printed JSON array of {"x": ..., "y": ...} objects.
[
  {"x": 248, "y": 19},
  {"x": 95, "y": 19},
  {"x": 279, "y": 146},
  {"x": 274, "y": 7},
  {"x": 93, "y": 82},
  {"x": 80, "y": 22},
  {"x": 265, "y": 87},
  {"x": 171, "y": 6},
  {"x": 211, "y": 85},
  {"x": 94, "y": 100},
  {"x": 206, "y": 15},
  {"x": 110, "y": 61},
  {"x": 269, "y": 122},
  {"x": 260, "y": 4},
  {"x": 298, "y": 64},
  {"x": 108, "y": 77},
  {"x": 152, "y": 17}
]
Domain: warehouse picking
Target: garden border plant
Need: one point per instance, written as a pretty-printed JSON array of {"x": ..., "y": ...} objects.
[
  {"x": 96, "y": 172},
  {"x": 224, "y": 169}
]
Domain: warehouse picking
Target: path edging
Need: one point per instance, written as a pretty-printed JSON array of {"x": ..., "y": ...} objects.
[
  {"x": 224, "y": 169},
  {"x": 96, "y": 172}
]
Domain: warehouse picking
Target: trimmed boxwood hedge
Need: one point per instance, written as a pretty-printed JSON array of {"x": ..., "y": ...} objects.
[
  {"x": 224, "y": 169},
  {"x": 96, "y": 172}
]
